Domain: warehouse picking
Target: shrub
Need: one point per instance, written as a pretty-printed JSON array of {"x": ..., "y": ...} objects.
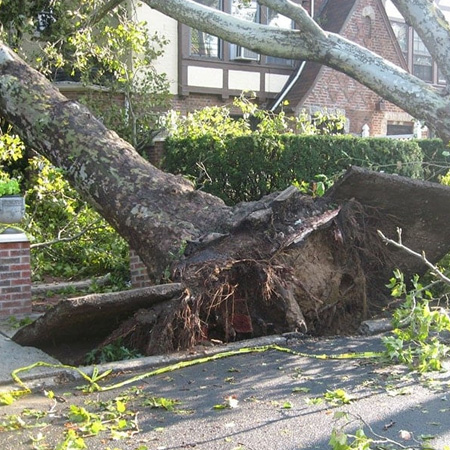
[
  {"x": 247, "y": 167},
  {"x": 436, "y": 158}
]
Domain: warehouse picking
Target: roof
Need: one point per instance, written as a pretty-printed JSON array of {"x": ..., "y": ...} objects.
[
  {"x": 333, "y": 17},
  {"x": 339, "y": 11}
]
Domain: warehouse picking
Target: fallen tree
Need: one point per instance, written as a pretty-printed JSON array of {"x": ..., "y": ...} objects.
[{"x": 286, "y": 263}]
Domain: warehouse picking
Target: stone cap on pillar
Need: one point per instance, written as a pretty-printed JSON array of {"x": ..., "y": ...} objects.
[{"x": 13, "y": 235}]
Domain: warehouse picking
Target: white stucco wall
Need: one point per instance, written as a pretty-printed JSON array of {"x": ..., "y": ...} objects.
[
  {"x": 167, "y": 27},
  {"x": 275, "y": 82},
  {"x": 205, "y": 77},
  {"x": 244, "y": 80}
]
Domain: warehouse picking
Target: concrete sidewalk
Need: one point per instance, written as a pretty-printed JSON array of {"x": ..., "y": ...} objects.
[
  {"x": 14, "y": 356},
  {"x": 281, "y": 399}
]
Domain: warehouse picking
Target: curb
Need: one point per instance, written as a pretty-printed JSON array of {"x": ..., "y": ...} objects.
[{"x": 55, "y": 376}]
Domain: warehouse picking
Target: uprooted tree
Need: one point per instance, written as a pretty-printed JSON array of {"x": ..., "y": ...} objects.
[{"x": 286, "y": 262}]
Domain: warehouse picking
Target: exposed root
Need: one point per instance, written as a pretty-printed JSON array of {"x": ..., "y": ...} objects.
[{"x": 315, "y": 285}]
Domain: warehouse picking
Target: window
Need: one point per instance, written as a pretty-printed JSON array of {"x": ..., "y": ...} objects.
[
  {"x": 401, "y": 31},
  {"x": 418, "y": 58},
  {"x": 203, "y": 44},
  {"x": 249, "y": 12},
  {"x": 422, "y": 62},
  {"x": 394, "y": 129}
]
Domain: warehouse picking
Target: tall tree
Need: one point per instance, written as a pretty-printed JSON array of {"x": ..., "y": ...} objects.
[{"x": 244, "y": 267}]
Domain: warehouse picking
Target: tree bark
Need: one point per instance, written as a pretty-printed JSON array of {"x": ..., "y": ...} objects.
[{"x": 155, "y": 212}]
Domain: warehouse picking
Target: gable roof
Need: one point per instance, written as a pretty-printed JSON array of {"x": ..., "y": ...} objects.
[{"x": 332, "y": 16}]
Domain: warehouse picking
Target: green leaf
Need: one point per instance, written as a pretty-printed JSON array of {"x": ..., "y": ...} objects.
[
  {"x": 220, "y": 406},
  {"x": 121, "y": 406},
  {"x": 298, "y": 390},
  {"x": 6, "y": 399}
]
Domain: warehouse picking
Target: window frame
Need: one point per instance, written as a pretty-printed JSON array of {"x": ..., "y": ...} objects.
[
  {"x": 227, "y": 52},
  {"x": 410, "y": 54}
]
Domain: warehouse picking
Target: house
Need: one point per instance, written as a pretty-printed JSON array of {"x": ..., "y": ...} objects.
[{"x": 206, "y": 71}]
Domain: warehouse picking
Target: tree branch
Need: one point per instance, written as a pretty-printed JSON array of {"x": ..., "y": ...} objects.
[
  {"x": 283, "y": 43},
  {"x": 295, "y": 12},
  {"x": 431, "y": 25},
  {"x": 103, "y": 10},
  {"x": 67, "y": 239},
  {"x": 421, "y": 256}
]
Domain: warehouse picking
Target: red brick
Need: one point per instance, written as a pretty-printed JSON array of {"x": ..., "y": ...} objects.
[
  {"x": 9, "y": 275},
  {"x": 8, "y": 290},
  {"x": 14, "y": 304},
  {"x": 19, "y": 267},
  {"x": 22, "y": 296}
]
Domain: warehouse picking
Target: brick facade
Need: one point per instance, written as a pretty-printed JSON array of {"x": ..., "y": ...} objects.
[
  {"x": 139, "y": 274},
  {"x": 367, "y": 26},
  {"x": 15, "y": 275}
]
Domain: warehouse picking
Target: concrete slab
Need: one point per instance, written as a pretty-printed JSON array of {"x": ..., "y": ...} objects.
[{"x": 15, "y": 356}]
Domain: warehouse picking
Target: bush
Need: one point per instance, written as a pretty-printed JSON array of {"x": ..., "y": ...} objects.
[
  {"x": 436, "y": 158},
  {"x": 247, "y": 167}
]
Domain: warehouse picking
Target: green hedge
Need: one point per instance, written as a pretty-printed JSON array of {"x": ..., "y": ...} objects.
[
  {"x": 436, "y": 158},
  {"x": 248, "y": 167}
]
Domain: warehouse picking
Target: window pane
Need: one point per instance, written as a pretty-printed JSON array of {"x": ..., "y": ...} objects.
[
  {"x": 204, "y": 44},
  {"x": 277, "y": 20},
  {"x": 419, "y": 46},
  {"x": 441, "y": 78},
  {"x": 423, "y": 71},
  {"x": 399, "y": 129},
  {"x": 248, "y": 11},
  {"x": 422, "y": 62},
  {"x": 401, "y": 32}
]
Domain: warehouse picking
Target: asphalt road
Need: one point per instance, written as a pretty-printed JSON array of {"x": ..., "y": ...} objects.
[{"x": 260, "y": 401}]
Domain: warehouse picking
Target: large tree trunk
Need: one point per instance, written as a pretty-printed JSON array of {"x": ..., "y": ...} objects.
[{"x": 154, "y": 211}]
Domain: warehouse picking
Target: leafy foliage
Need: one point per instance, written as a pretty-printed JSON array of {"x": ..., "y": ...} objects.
[
  {"x": 69, "y": 239},
  {"x": 244, "y": 158},
  {"x": 436, "y": 158},
  {"x": 419, "y": 323},
  {"x": 72, "y": 40},
  {"x": 8, "y": 186},
  {"x": 111, "y": 352},
  {"x": 250, "y": 166}
]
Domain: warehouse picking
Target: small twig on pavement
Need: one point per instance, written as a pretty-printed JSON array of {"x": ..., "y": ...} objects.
[{"x": 383, "y": 439}]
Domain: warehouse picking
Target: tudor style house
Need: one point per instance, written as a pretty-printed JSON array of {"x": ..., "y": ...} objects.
[{"x": 205, "y": 70}]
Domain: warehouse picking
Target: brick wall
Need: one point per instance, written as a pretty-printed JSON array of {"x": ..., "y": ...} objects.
[
  {"x": 367, "y": 27},
  {"x": 15, "y": 275},
  {"x": 139, "y": 274}
]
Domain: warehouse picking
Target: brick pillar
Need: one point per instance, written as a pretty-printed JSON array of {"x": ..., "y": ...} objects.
[
  {"x": 15, "y": 274},
  {"x": 155, "y": 152},
  {"x": 139, "y": 274}
]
